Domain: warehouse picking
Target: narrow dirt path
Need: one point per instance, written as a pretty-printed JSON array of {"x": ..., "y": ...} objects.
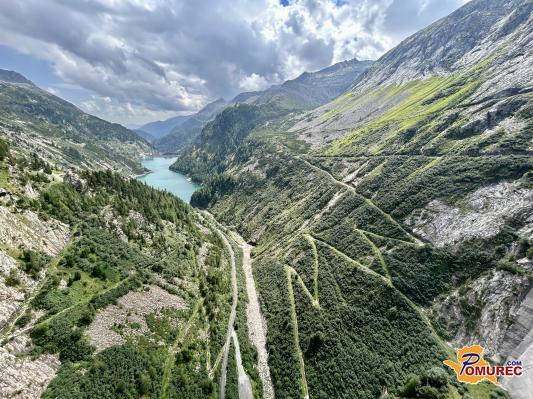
[
  {"x": 244, "y": 380},
  {"x": 171, "y": 356},
  {"x": 444, "y": 346},
  {"x": 231, "y": 321},
  {"x": 295, "y": 333},
  {"x": 367, "y": 200},
  {"x": 377, "y": 253}
]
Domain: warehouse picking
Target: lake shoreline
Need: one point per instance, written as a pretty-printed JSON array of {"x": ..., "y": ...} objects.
[{"x": 160, "y": 176}]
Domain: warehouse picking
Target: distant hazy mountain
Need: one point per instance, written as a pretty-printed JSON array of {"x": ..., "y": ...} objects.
[
  {"x": 310, "y": 89},
  {"x": 307, "y": 91},
  {"x": 186, "y": 132},
  {"x": 147, "y": 136},
  {"x": 159, "y": 129},
  {"x": 62, "y": 134}
]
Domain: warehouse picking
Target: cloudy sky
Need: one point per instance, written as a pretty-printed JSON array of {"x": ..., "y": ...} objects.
[{"x": 133, "y": 61}]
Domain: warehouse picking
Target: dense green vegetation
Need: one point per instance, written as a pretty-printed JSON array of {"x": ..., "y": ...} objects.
[
  {"x": 33, "y": 262},
  {"x": 4, "y": 149},
  {"x": 220, "y": 137},
  {"x": 125, "y": 235},
  {"x": 122, "y": 371},
  {"x": 363, "y": 337},
  {"x": 214, "y": 187}
]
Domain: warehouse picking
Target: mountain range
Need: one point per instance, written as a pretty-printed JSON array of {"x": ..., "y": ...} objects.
[
  {"x": 60, "y": 133},
  {"x": 155, "y": 130},
  {"x": 307, "y": 91},
  {"x": 404, "y": 204}
]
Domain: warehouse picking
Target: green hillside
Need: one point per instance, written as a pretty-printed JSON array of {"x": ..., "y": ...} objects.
[
  {"x": 341, "y": 203},
  {"x": 37, "y": 121}
]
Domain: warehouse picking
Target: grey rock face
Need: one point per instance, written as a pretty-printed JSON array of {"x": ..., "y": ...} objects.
[
  {"x": 495, "y": 34},
  {"x": 310, "y": 89},
  {"x": 13, "y": 77},
  {"x": 482, "y": 214},
  {"x": 23, "y": 377},
  {"x": 449, "y": 44},
  {"x": 518, "y": 345},
  {"x": 27, "y": 230},
  {"x": 4, "y": 195},
  {"x": 482, "y": 312},
  {"x": 10, "y": 297},
  {"x": 75, "y": 181}
]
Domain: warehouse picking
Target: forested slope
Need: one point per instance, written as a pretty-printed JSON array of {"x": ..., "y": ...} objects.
[
  {"x": 394, "y": 223},
  {"x": 62, "y": 134},
  {"x": 110, "y": 288}
]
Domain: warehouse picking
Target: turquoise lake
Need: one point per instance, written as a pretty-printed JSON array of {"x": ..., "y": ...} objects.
[{"x": 164, "y": 179}]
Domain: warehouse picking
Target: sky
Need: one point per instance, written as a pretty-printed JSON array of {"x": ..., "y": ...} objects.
[{"x": 136, "y": 61}]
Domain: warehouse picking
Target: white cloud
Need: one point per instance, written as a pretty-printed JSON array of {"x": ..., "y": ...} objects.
[
  {"x": 122, "y": 112},
  {"x": 253, "y": 82},
  {"x": 168, "y": 56}
]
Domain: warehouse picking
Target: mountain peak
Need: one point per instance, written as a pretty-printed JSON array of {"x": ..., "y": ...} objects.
[
  {"x": 463, "y": 38},
  {"x": 13, "y": 77}
]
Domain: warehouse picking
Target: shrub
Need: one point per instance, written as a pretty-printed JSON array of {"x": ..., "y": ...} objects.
[
  {"x": 4, "y": 149},
  {"x": 13, "y": 280}
]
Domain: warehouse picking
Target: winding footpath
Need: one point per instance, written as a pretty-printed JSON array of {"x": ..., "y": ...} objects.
[{"x": 245, "y": 386}]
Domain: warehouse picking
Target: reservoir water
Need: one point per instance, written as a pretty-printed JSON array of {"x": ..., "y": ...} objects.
[{"x": 163, "y": 178}]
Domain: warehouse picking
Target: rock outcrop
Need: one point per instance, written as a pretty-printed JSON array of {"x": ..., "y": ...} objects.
[
  {"x": 481, "y": 214},
  {"x": 23, "y": 377},
  {"x": 482, "y": 312},
  {"x": 75, "y": 181},
  {"x": 27, "y": 230},
  {"x": 518, "y": 345}
]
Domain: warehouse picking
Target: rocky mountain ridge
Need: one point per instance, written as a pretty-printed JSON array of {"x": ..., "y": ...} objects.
[
  {"x": 480, "y": 60},
  {"x": 39, "y": 122},
  {"x": 307, "y": 91}
]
